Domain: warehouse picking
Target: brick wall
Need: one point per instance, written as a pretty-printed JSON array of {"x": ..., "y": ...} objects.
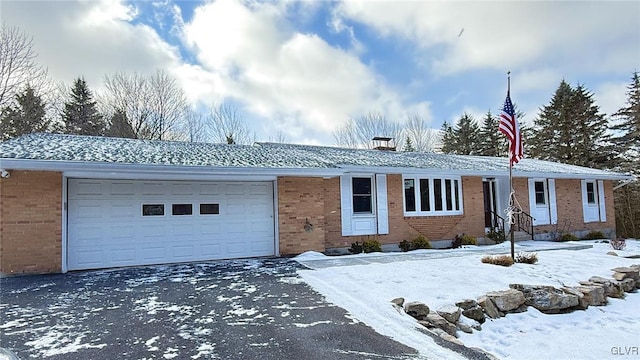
[
  {"x": 31, "y": 222},
  {"x": 301, "y": 200},
  {"x": 405, "y": 228},
  {"x": 569, "y": 206}
]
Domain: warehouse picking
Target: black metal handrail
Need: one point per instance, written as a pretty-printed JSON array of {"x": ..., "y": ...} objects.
[
  {"x": 524, "y": 222},
  {"x": 497, "y": 222}
]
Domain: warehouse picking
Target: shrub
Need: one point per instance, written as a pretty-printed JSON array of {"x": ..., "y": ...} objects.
[
  {"x": 594, "y": 235},
  {"x": 370, "y": 246},
  {"x": 463, "y": 239},
  {"x": 405, "y": 245},
  {"x": 502, "y": 260},
  {"x": 526, "y": 258},
  {"x": 497, "y": 236},
  {"x": 469, "y": 240},
  {"x": 356, "y": 248},
  {"x": 568, "y": 237},
  {"x": 419, "y": 242},
  {"x": 618, "y": 244}
]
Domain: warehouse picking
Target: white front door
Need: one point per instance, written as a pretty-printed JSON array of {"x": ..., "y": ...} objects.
[{"x": 114, "y": 223}]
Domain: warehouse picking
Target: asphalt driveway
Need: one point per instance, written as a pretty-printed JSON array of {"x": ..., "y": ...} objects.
[{"x": 241, "y": 309}]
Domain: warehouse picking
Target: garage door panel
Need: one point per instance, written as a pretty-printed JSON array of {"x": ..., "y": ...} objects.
[
  {"x": 87, "y": 188},
  {"x": 153, "y": 188},
  {"x": 123, "y": 188},
  {"x": 106, "y": 226},
  {"x": 123, "y": 255},
  {"x": 209, "y": 189}
]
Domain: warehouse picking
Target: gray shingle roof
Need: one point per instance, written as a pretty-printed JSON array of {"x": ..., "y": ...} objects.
[
  {"x": 57, "y": 147},
  {"x": 103, "y": 150}
]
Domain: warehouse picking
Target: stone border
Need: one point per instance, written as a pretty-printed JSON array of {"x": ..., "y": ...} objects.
[{"x": 445, "y": 322}]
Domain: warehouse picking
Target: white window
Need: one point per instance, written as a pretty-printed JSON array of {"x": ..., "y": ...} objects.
[
  {"x": 542, "y": 201},
  {"x": 431, "y": 196},
  {"x": 363, "y": 205},
  {"x": 593, "y": 207}
]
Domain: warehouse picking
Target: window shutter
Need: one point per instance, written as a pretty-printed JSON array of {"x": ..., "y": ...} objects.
[
  {"x": 381, "y": 201},
  {"x": 346, "y": 204},
  {"x": 601, "y": 204},
  {"x": 585, "y": 208},
  {"x": 553, "y": 209},
  {"x": 532, "y": 200}
]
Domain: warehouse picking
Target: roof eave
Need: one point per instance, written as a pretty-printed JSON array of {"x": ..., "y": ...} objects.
[{"x": 71, "y": 167}]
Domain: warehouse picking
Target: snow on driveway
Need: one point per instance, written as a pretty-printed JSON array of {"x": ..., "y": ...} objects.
[{"x": 596, "y": 333}]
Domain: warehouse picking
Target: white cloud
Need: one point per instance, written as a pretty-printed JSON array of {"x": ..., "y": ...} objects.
[
  {"x": 611, "y": 96},
  {"x": 586, "y": 36},
  {"x": 89, "y": 38},
  {"x": 286, "y": 76}
]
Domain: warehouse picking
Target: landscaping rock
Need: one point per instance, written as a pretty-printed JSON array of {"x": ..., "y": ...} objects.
[
  {"x": 593, "y": 294},
  {"x": 628, "y": 285},
  {"x": 467, "y": 304},
  {"x": 621, "y": 273},
  {"x": 489, "y": 307},
  {"x": 583, "y": 304},
  {"x": 398, "y": 301},
  {"x": 465, "y": 328},
  {"x": 474, "y": 313},
  {"x": 417, "y": 310},
  {"x": 506, "y": 300},
  {"x": 611, "y": 289},
  {"x": 612, "y": 253},
  {"x": 547, "y": 299},
  {"x": 443, "y": 334},
  {"x": 435, "y": 321},
  {"x": 450, "y": 312}
]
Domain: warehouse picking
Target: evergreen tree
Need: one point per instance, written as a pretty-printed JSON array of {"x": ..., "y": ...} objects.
[
  {"x": 26, "y": 116},
  {"x": 119, "y": 126},
  {"x": 408, "y": 146},
  {"x": 627, "y": 144},
  {"x": 448, "y": 138},
  {"x": 492, "y": 142},
  {"x": 80, "y": 114},
  {"x": 463, "y": 138},
  {"x": 571, "y": 130}
]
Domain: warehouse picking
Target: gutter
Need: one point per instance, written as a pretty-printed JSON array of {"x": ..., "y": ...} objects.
[{"x": 119, "y": 169}]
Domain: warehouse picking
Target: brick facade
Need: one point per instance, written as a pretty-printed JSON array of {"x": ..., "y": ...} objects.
[
  {"x": 31, "y": 222},
  {"x": 308, "y": 216},
  {"x": 301, "y": 214},
  {"x": 300, "y": 202},
  {"x": 569, "y": 206}
]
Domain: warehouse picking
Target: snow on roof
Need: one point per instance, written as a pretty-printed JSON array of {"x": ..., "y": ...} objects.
[
  {"x": 94, "y": 149},
  {"x": 105, "y": 150}
]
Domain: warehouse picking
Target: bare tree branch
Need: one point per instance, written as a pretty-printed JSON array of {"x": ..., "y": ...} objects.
[
  {"x": 18, "y": 67},
  {"x": 423, "y": 138},
  {"x": 154, "y": 105},
  {"x": 226, "y": 125},
  {"x": 358, "y": 133}
]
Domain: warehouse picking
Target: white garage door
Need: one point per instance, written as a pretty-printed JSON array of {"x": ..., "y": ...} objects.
[{"x": 115, "y": 223}]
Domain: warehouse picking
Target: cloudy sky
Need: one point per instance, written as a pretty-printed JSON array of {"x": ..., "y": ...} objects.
[{"x": 305, "y": 67}]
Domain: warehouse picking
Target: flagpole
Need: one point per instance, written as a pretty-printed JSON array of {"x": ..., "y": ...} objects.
[{"x": 511, "y": 194}]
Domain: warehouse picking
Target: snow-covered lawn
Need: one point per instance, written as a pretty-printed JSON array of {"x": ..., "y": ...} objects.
[{"x": 596, "y": 333}]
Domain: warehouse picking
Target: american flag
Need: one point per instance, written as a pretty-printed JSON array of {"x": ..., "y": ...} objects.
[{"x": 509, "y": 126}]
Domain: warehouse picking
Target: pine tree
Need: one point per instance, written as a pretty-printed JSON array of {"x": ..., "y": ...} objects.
[
  {"x": 627, "y": 144},
  {"x": 408, "y": 146},
  {"x": 448, "y": 138},
  {"x": 492, "y": 142},
  {"x": 28, "y": 115},
  {"x": 119, "y": 126},
  {"x": 571, "y": 130},
  {"x": 80, "y": 114}
]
